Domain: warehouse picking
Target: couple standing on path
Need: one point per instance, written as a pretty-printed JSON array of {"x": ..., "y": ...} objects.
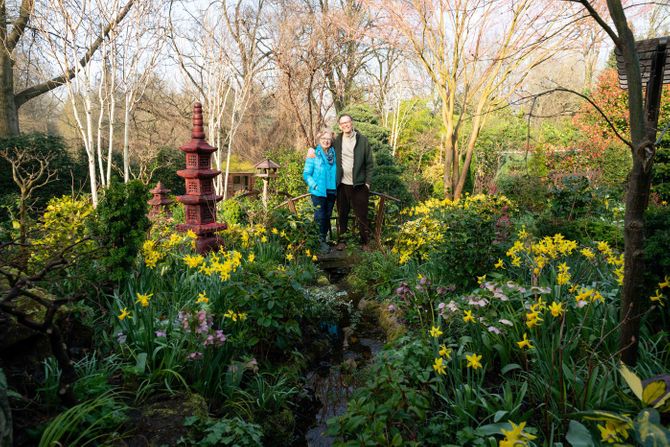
[{"x": 340, "y": 169}]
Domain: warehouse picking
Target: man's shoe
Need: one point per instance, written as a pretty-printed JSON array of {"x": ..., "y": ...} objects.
[{"x": 340, "y": 246}]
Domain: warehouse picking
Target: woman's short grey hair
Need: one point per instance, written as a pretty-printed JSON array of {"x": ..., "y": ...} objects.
[{"x": 323, "y": 132}]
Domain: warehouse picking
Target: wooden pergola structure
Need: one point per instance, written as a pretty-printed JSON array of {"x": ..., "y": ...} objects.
[{"x": 654, "y": 60}]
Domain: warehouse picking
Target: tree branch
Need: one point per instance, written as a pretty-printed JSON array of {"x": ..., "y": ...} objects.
[
  {"x": 26, "y": 10},
  {"x": 39, "y": 89}
]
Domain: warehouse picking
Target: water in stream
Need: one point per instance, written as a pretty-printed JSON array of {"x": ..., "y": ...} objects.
[{"x": 333, "y": 384}]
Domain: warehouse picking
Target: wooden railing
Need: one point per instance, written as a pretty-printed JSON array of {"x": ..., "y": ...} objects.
[{"x": 379, "y": 212}]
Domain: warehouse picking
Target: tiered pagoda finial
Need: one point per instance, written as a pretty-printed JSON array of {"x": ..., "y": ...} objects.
[{"x": 200, "y": 199}]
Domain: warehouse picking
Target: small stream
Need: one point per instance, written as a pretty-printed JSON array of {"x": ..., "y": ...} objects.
[
  {"x": 334, "y": 385},
  {"x": 337, "y": 377}
]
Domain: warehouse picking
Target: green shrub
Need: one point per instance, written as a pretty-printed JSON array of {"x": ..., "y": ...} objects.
[
  {"x": 527, "y": 192},
  {"x": 121, "y": 226},
  {"x": 455, "y": 241}
]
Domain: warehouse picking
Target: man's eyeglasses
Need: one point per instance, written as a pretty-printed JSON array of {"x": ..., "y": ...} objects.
[{"x": 345, "y": 122}]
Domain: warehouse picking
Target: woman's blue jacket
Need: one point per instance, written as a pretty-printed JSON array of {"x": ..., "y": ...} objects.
[{"x": 319, "y": 173}]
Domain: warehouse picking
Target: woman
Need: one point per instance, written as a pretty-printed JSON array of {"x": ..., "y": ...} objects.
[{"x": 320, "y": 175}]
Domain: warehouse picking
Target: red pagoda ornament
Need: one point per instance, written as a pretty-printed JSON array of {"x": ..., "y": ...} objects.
[
  {"x": 200, "y": 200},
  {"x": 160, "y": 203}
]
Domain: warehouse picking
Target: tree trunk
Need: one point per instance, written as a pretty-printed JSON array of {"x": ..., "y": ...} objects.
[
  {"x": 126, "y": 142},
  {"x": 637, "y": 198},
  {"x": 9, "y": 114}
]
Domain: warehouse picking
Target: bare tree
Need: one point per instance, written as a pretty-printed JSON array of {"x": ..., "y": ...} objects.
[
  {"x": 477, "y": 53},
  {"x": 30, "y": 172},
  {"x": 302, "y": 58},
  {"x": 135, "y": 52},
  {"x": 222, "y": 58},
  {"x": 13, "y": 24}
]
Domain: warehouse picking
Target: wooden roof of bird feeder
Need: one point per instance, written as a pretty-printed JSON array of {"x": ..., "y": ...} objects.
[
  {"x": 266, "y": 169},
  {"x": 651, "y": 52}
]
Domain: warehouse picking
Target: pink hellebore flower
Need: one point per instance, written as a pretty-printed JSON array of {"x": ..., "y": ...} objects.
[{"x": 195, "y": 356}]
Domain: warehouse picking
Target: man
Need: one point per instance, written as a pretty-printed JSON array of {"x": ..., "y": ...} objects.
[{"x": 354, "y": 172}]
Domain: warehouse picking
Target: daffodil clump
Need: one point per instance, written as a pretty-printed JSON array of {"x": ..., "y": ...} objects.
[
  {"x": 553, "y": 259},
  {"x": 165, "y": 242},
  {"x": 428, "y": 223}
]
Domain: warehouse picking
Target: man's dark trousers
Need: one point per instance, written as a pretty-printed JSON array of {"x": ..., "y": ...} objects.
[{"x": 356, "y": 197}]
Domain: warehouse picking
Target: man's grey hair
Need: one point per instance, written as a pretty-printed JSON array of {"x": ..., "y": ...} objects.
[{"x": 345, "y": 115}]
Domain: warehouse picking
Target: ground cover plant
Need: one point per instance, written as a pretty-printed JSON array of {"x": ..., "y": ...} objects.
[{"x": 527, "y": 357}]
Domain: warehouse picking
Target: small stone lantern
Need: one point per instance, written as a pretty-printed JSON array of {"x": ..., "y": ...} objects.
[
  {"x": 160, "y": 203},
  {"x": 265, "y": 170}
]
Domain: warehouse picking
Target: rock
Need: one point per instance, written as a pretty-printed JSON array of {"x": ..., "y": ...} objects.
[{"x": 162, "y": 422}]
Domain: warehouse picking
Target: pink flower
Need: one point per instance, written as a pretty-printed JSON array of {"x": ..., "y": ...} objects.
[
  {"x": 195, "y": 356},
  {"x": 501, "y": 296},
  {"x": 391, "y": 308},
  {"x": 494, "y": 330},
  {"x": 506, "y": 322},
  {"x": 161, "y": 334}
]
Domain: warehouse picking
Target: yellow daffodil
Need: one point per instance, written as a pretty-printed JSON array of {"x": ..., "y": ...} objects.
[
  {"x": 251, "y": 258},
  {"x": 289, "y": 257},
  {"x": 587, "y": 253},
  {"x": 275, "y": 231},
  {"x": 467, "y": 316},
  {"x": 515, "y": 437},
  {"x": 658, "y": 298},
  {"x": 193, "y": 261},
  {"x": 191, "y": 234},
  {"x": 435, "y": 332},
  {"x": 500, "y": 264},
  {"x": 144, "y": 299},
  {"x": 525, "y": 343},
  {"x": 613, "y": 432},
  {"x": 556, "y": 309},
  {"x": 533, "y": 319},
  {"x": 438, "y": 366},
  {"x": 563, "y": 276},
  {"x": 481, "y": 279},
  {"x": 202, "y": 298},
  {"x": 264, "y": 239},
  {"x": 665, "y": 284},
  {"x": 474, "y": 361},
  {"x": 445, "y": 352},
  {"x": 125, "y": 313},
  {"x": 314, "y": 258}
]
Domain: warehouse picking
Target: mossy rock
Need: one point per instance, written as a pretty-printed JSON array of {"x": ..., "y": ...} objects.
[
  {"x": 162, "y": 422},
  {"x": 387, "y": 321}
]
